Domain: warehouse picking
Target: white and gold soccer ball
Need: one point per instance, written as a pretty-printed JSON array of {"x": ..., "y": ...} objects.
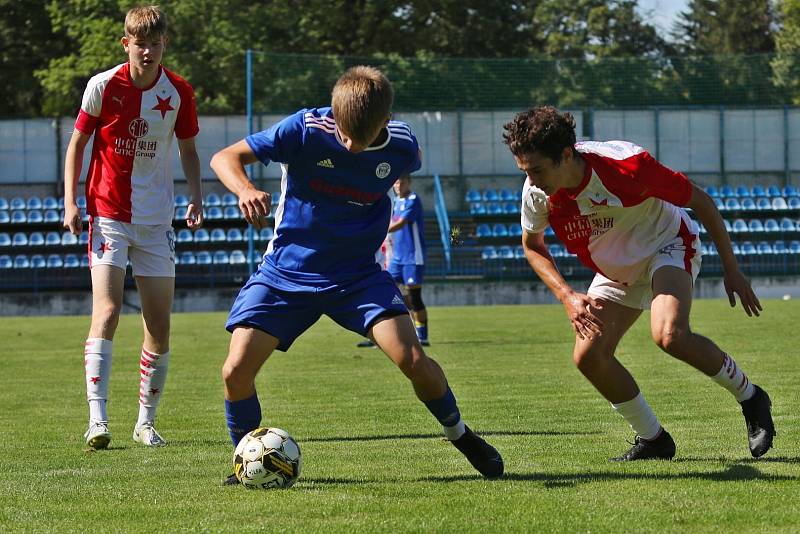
[{"x": 267, "y": 458}]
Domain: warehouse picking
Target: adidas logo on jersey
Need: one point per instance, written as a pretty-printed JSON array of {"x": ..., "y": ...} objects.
[
  {"x": 397, "y": 300},
  {"x": 327, "y": 163}
]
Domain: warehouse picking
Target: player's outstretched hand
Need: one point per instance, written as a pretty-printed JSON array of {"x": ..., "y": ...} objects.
[
  {"x": 579, "y": 310},
  {"x": 255, "y": 206},
  {"x": 72, "y": 219},
  {"x": 194, "y": 215},
  {"x": 736, "y": 282}
]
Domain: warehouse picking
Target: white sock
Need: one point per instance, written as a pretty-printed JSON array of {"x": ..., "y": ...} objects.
[
  {"x": 454, "y": 432},
  {"x": 640, "y": 416},
  {"x": 153, "y": 371},
  {"x": 97, "y": 368},
  {"x": 734, "y": 380}
]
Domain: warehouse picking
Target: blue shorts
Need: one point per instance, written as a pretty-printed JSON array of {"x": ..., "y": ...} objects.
[
  {"x": 408, "y": 275},
  {"x": 287, "y": 314}
]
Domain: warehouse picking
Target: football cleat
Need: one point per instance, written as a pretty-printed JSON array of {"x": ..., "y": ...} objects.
[
  {"x": 760, "y": 428},
  {"x": 231, "y": 480},
  {"x": 480, "y": 454},
  {"x": 366, "y": 344},
  {"x": 147, "y": 435},
  {"x": 97, "y": 435},
  {"x": 660, "y": 448}
]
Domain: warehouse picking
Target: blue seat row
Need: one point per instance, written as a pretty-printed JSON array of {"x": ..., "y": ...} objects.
[
  {"x": 493, "y": 208},
  {"x": 498, "y": 230},
  {"x": 740, "y": 226},
  {"x": 504, "y": 252},
  {"x": 747, "y": 248},
  {"x": 38, "y": 239},
  {"x": 493, "y": 195},
  {"x": 743, "y": 191},
  {"x": 40, "y": 261},
  {"x": 218, "y": 257},
  {"x": 757, "y": 203},
  {"x": 220, "y": 235}
]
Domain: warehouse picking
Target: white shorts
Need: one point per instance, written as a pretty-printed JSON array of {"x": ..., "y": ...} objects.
[
  {"x": 150, "y": 247},
  {"x": 639, "y": 294}
]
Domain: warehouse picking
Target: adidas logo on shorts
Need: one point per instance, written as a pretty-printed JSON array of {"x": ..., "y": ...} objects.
[
  {"x": 327, "y": 163},
  {"x": 397, "y": 300}
]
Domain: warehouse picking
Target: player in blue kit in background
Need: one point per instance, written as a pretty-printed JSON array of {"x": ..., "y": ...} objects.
[{"x": 338, "y": 164}]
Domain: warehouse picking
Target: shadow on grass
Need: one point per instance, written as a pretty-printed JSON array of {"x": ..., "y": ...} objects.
[
  {"x": 722, "y": 459},
  {"x": 486, "y": 433}
]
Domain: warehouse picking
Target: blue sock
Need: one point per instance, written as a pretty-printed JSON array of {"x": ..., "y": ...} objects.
[
  {"x": 445, "y": 409},
  {"x": 243, "y": 416},
  {"x": 422, "y": 330}
]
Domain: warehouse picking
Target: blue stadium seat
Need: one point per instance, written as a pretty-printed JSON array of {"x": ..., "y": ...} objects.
[
  {"x": 187, "y": 258},
  {"x": 84, "y": 260},
  {"x": 510, "y": 208},
  {"x": 181, "y": 201},
  {"x": 746, "y": 248},
  {"x": 732, "y": 203},
  {"x": 490, "y": 195},
  {"x": 60, "y": 203},
  {"x": 773, "y": 191},
  {"x": 788, "y": 191},
  {"x": 549, "y": 231},
  {"x": 779, "y": 203},
  {"x": 514, "y": 230},
  {"x": 757, "y": 191},
  {"x": 213, "y": 200},
  {"x": 5, "y": 240},
  {"x": 4, "y": 203},
  {"x": 83, "y": 238},
  {"x": 771, "y": 225},
  {"x": 473, "y": 195},
  {"x": 230, "y": 212},
  {"x": 726, "y": 191},
  {"x": 519, "y": 252},
  {"x": 220, "y": 258},
  {"x": 477, "y": 208},
  {"x": 229, "y": 199},
  {"x": 556, "y": 250},
  {"x": 21, "y": 261},
  {"x": 248, "y": 232},
  {"x": 257, "y": 256},
  {"x": 494, "y": 208},
  {"x": 214, "y": 213},
  {"x": 505, "y": 252},
  {"x": 763, "y": 203},
  {"x": 763, "y": 247},
  {"x": 81, "y": 202},
  {"x": 483, "y": 230},
  {"x": 20, "y": 239},
  {"x": 499, "y": 230},
  {"x": 33, "y": 203},
  {"x": 50, "y": 203},
  {"x": 728, "y": 226},
  {"x": 787, "y": 225},
  {"x": 179, "y": 213},
  {"x": 709, "y": 250},
  {"x": 68, "y": 239},
  {"x": 71, "y": 261},
  {"x": 201, "y": 236},
  {"x": 35, "y": 216},
  {"x": 5, "y": 218},
  {"x": 18, "y": 217},
  {"x": 203, "y": 258},
  {"x": 794, "y": 247},
  {"x": 792, "y": 203},
  {"x": 507, "y": 195},
  {"x": 736, "y": 248},
  {"x": 234, "y": 235},
  {"x": 701, "y": 228},
  {"x": 54, "y": 261},
  {"x": 712, "y": 191},
  {"x": 265, "y": 234},
  {"x": 739, "y": 226},
  {"x": 184, "y": 235},
  {"x": 779, "y": 247},
  {"x": 52, "y": 239},
  {"x": 17, "y": 203},
  {"x": 52, "y": 216},
  {"x": 38, "y": 262},
  {"x": 6, "y": 262},
  {"x": 217, "y": 235},
  {"x": 748, "y": 203},
  {"x": 719, "y": 203},
  {"x": 36, "y": 239},
  {"x": 742, "y": 191},
  {"x": 237, "y": 257},
  {"x": 755, "y": 225},
  {"x": 489, "y": 253}
]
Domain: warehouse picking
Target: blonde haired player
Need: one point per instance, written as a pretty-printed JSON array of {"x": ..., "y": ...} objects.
[{"x": 133, "y": 110}]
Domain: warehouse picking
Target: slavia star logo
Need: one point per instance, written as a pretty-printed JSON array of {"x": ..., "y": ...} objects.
[{"x": 163, "y": 106}]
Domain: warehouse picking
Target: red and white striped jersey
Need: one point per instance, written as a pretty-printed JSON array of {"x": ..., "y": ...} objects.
[
  {"x": 130, "y": 175},
  {"x": 623, "y": 212}
]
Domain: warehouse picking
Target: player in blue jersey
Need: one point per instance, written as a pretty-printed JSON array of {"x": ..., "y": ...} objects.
[{"x": 338, "y": 163}]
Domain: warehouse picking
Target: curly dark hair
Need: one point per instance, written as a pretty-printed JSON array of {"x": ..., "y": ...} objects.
[{"x": 542, "y": 129}]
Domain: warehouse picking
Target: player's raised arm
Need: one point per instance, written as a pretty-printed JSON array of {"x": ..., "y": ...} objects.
[
  {"x": 734, "y": 280},
  {"x": 229, "y": 166},
  {"x": 73, "y": 161},
  {"x": 577, "y": 305}
]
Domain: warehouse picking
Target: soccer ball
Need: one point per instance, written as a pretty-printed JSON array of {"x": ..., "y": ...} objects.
[{"x": 267, "y": 458}]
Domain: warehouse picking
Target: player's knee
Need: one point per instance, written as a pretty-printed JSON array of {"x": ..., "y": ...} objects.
[
  {"x": 415, "y": 299},
  {"x": 105, "y": 317},
  {"x": 414, "y": 364},
  {"x": 236, "y": 377},
  {"x": 671, "y": 338},
  {"x": 590, "y": 360}
]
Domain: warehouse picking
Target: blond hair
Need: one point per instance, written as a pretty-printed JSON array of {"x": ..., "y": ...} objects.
[
  {"x": 145, "y": 21},
  {"x": 362, "y": 100}
]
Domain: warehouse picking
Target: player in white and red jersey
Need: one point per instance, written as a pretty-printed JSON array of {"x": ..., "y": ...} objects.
[
  {"x": 622, "y": 213},
  {"x": 133, "y": 111}
]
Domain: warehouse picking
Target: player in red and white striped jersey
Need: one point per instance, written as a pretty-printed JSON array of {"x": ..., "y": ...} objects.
[
  {"x": 622, "y": 213},
  {"x": 133, "y": 110}
]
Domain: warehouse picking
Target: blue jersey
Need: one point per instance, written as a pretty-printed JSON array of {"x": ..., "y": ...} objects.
[
  {"x": 408, "y": 243},
  {"x": 334, "y": 206}
]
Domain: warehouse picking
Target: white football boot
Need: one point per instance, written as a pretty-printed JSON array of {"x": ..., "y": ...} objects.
[
  {"x": 97, "y": 436},
  {"x": 147, "y": 435}
]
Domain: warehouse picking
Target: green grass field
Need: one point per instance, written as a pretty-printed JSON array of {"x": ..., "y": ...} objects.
[{"x": 373, "y": 456}]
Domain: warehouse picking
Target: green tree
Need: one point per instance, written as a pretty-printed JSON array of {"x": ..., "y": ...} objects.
[
  {"x": 726, "y": 27},
  {"x": 786, "y": 63}
]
